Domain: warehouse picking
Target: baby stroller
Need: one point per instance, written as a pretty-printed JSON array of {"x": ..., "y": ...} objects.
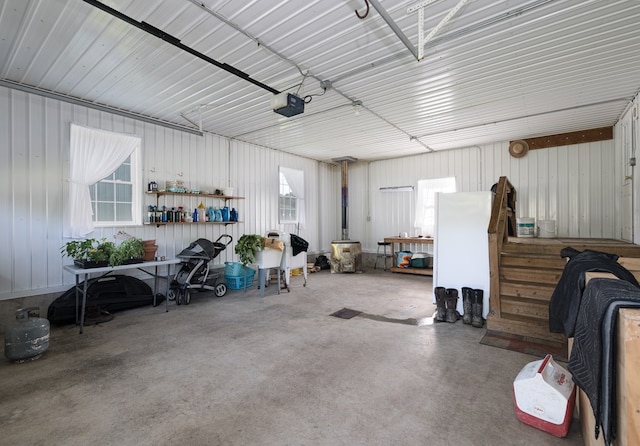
[{"x": 194, "y": 272}]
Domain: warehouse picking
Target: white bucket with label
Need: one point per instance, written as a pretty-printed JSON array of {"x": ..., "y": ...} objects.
[
  {"x": 525, "y": 227},
  {"x": 547, "y": 228}
]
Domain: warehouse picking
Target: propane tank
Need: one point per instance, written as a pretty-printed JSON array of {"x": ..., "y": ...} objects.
[{"x": 27, "y": 338}]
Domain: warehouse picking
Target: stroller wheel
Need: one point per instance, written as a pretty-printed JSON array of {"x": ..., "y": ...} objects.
[
  {"x": 220, "y": 290},
  {"x": 187, "y": 297},
  {"x": 171, "y": 295},
  {"x": 179, "y": 298}
]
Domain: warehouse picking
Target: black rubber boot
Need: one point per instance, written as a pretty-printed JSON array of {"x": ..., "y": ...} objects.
[
  {"x": 467, "y": 304},
  {"x": 440, "y": 303},
  {"x": 476, "y": 318},
  {"x": 452, "y": 301}
]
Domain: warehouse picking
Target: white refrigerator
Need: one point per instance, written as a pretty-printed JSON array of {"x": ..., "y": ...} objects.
[{"x": 461, "y": 243}]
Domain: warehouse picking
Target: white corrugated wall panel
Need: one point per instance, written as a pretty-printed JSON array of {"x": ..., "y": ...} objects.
[
  {"x": 578, "y": 186},
  {"x": 34, "y": 160},
  {"x": 394, "y": 212},
  {"x": 256, "y": 169}
]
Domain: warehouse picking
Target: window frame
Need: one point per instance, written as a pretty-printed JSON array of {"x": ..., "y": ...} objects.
[
  {"x": 136, "y": 194},
  {"x": 292, "y": 198}
]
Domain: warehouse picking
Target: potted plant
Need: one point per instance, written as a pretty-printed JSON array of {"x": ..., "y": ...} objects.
[
  {"x": 89, "y": 253},
  {"x": 247, "y": 247},
  {"x": 129, "y": 251}
]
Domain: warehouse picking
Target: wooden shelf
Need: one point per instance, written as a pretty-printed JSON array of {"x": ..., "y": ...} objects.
[
  {"x": 163, "y": 193},
  {"x": 160, "y": 193},
  {"x": 420, "y": 271},
  {"x": 401, "y": 241},
  {"x": 170, "y": 223}
]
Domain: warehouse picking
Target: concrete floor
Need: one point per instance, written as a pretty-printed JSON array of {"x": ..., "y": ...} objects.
[{"x": 241, "y": 370}]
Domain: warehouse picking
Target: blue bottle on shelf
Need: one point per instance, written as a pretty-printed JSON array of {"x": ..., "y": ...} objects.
[
  {"x": 225, "y": 213},
  {"x": 195, "y": 215},
  {"x": 234, "y": 214}
]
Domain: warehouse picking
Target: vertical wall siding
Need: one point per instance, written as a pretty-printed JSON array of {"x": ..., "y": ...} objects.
[
  {"x": 392, "y": 213},
  {"x": 256, "y": 169},
  {"x": 34, "y": 165},
  {"x": 577, "y": 185}
]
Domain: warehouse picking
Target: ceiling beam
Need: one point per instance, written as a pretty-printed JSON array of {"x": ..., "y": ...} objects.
[
  {"x": 95, "y": 106},
  {"x": 394, "y": 26}
]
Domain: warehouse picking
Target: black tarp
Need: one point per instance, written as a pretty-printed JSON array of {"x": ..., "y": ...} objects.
[
  {"x": 109, "y": 293},
  {"x": 592, "y": 361}
]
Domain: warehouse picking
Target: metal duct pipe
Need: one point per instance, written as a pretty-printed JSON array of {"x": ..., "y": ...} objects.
[
  {"x": 345, "y": 200},
  {"x": 344, "y": 161}
]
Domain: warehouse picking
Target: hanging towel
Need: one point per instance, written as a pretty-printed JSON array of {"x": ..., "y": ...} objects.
[{"x": 298, "y": 244}]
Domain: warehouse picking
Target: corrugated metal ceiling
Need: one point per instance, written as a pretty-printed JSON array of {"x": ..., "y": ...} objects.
[{"x": 499, "y": 70}]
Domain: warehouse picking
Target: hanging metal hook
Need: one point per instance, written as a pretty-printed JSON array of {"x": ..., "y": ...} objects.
[{"x": 366, "y": 12}]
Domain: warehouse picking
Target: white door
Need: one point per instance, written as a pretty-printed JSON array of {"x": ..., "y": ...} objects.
[{"x": 626, "y": 200}]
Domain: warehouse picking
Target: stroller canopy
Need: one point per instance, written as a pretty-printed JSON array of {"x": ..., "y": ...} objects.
[{"x": 200, "y": 249}]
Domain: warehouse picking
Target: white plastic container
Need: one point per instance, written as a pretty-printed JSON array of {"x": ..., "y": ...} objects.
[
  {"x": 525, "y": 227},
  {"x": 269, "y": 258},
  {"x": 547, "y": 228},
  {"x": 544, "y": 396}
]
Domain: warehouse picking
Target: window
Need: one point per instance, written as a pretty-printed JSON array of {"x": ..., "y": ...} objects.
[
  {"x": 288, "y": 207},
  {"x": 426, "y": 201},
  {"x": 114, "y": 198},
  {"x": 104, "y": 180},
  {"x": 291, "y": 196}
]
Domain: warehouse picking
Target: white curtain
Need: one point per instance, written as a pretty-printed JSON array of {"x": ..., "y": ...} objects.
[
  {"x": 94, "y": 155},
  {"x": 295, "y": 178},
  {"x": 426, "y": 202}
]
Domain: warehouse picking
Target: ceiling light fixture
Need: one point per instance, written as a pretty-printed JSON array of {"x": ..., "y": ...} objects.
[{"x": 356, "y": 107}]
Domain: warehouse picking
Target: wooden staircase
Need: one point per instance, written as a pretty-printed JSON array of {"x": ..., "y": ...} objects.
[
  {"x": 527, "y": 281},
  {"x": 525, "y": 271}
]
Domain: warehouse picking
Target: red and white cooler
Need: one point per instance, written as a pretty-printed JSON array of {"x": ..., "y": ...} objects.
[{"x": 544, "y": 396}]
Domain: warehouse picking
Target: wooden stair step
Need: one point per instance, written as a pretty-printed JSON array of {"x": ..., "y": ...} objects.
[
  {"x": 532, "y": 275},
  {"x": 526, "y": 290},
  {"x": 552, "y": 247},
  {"x": 532, "y": 261},
  {"x": 523, "y": 307},
  {"x": 524, "y": 327}
]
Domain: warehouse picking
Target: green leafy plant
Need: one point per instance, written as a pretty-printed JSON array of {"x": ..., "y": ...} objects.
[
  {"x": 248, "y": 246},
  {"x": 89, "y": 250},
  {"x": 129, "y": 249}
]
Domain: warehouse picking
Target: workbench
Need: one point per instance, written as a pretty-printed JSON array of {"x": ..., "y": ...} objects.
[
  {"x": 106, "y": 270},
  {"x": 401, "y": 242}
]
